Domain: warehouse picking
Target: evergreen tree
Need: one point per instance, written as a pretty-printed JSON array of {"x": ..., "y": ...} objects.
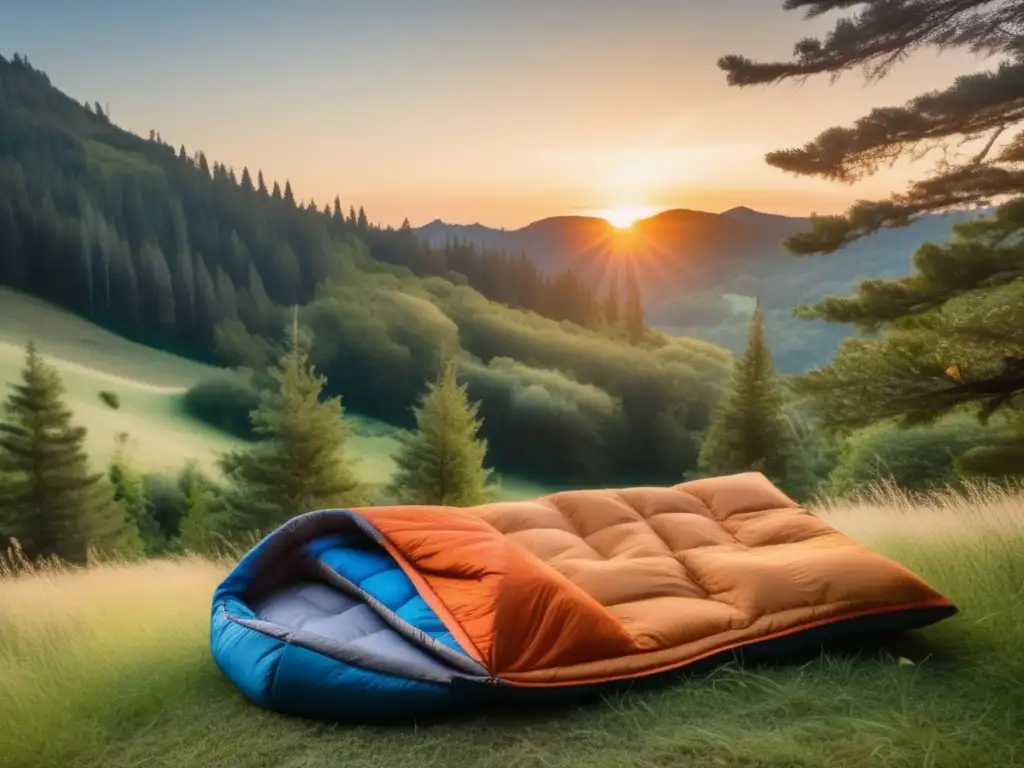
[
  {"x": 443, "y": 461},
  {"x": 952, "y": 338},
  {"x": 982, "y": 105},
  {"x": 611, "y": 302},
  {"x": 950, "y": 332},
  {"x": 750, "y": 429},
  {"x": 633, "y": 313},
  {"x": 129, "y": 492},
  {"x": 55, "y": 506},
  {"x": 300, "y": 465},
  {"x": 261, "y": 185},
  {"x": 199, "y": 530},
  {"x": 362, "y": 222},
  {"x": 289, "y": 196},
  {"x": 246, "y": 181}
]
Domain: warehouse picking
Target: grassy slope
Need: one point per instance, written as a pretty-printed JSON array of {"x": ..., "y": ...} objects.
[
  {"x": 111, "y": 667},
  {"x": 150, "y": 384}
]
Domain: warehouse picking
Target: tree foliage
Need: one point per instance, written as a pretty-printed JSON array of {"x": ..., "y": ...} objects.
[
  {"x": 129, "y": 491},
  {"x": 982, "y": 109},
  {"x": 916, "y": 459},
  {"x": 54, "y": 504},
  {"x": 953, "y": 333},
  {"x": 200, "y": 532},
  {"x": 751, "y": 429},
  {"x": 300, "y": 464},
  {"x": 443, "y": 461},
  {"x": 173, "y": 249},
  {"x": 949, "y": 336}
]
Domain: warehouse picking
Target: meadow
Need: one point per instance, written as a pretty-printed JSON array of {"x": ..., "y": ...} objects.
[
  {"x": 151, "y": 386},
  {"x": 111, "y": 666}
]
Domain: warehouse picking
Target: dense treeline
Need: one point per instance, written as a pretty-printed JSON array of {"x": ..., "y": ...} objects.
[
  {"x": 164, "y": 244},
  {"x": 54, "y": 504},
  {"x": 177, "y": 251}
]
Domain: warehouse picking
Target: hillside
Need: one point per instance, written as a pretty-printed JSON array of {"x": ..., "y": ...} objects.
[
  {"x": 180, "y": 253},
  {"x": 690, "y": 262}
]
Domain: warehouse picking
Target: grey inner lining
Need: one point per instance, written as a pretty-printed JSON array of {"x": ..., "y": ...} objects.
[{"x": 326, "y": 621}]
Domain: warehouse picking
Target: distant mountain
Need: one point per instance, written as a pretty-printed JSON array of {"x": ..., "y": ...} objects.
[{"x": 696, "y": 268}]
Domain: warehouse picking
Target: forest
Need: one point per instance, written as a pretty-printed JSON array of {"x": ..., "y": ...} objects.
[{"x": 536, "y": 375}]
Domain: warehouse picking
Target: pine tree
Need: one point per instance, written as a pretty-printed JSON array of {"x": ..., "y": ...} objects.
[
  {"x": 55, "y": 506},
  {"x": 129, "y": 492},
  {"x": 199, "y": 531},
  {"x": 443, "y": 461},
  {"x": 750, "y": 429},
  {"x": 611, "y": 302},
  {"x": 983, "y": 105},
  {"x": 300, "y": 465},
  {"x": 246, "y": 181},
  {"x": 633, "y": 313}
]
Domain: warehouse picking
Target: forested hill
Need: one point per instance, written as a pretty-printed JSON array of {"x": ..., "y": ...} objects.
[
  {"x": 700, "y": 271},
  {"x": 120, "y": 222},
  {"x": 176, "y": 250}
]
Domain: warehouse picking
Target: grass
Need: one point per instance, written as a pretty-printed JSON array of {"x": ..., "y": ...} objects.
[
  {"x": 110, "y": 666},
  {"x": 149, "y": 386}
]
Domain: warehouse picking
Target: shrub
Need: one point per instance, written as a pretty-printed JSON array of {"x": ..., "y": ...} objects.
[
  {"x": 224, "y": 403},
  {"x": 112, "y": 399},
  {"x": 916, "y": 459}
]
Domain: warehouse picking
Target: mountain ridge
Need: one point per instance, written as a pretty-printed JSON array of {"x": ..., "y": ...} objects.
[{"x": 700, "y": 271}]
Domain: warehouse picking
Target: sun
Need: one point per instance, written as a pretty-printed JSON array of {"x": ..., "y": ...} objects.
[{"x": 624, "y": 216}]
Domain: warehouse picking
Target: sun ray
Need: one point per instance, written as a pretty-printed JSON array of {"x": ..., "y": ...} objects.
[{"x": 624, "y": 216}]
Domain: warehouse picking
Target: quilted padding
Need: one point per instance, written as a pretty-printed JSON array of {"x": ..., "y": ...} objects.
[
  {"x": 373, "y": 570},
  {"x": 418, "y": 608},
  {"x": 585, "y": 586}
]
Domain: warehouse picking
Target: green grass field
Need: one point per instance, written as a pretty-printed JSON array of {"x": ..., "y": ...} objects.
[
  {"x": 151, "y": 384},
  {"x": 111, "y": 667}
]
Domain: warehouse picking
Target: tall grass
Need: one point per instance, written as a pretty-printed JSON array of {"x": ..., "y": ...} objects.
[{"x": 109, "y": 665}]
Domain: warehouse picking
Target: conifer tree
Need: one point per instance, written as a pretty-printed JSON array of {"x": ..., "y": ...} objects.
[
  {"x": 971, "y": 128},
  {"x": 199, "y": 532},
  {"x": 443, "y": 461},
  {"x": 55, "y": 505},
  {"x": 633, "y": 313},
  {"x": 300, "y": 463},
  {"x": 129, "y": 492},
  {"x": 246, "y": 181},
  {"x": 750, "y": 429},
  {"x": 611, "y": 302}
]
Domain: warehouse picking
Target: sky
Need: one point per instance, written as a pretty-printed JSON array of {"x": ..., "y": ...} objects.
[{"x": 493, "y": 111}]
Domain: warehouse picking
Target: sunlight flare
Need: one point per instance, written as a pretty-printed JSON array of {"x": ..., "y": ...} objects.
[{"x": 624, "y": 216}]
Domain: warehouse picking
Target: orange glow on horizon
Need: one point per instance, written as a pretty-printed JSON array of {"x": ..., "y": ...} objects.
[{"x": 624, "y": 216}]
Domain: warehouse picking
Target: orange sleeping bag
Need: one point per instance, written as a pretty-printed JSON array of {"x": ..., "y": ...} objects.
[{"x": 595, "y": 586}]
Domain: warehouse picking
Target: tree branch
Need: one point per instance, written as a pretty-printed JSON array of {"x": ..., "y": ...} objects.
[{"x": 887, "y": 30}]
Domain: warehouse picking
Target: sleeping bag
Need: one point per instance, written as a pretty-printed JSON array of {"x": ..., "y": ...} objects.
[{"x": 410, "y": 610}]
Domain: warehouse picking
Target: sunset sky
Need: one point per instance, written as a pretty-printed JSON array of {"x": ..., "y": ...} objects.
[{"x": 469, "y": 110}]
